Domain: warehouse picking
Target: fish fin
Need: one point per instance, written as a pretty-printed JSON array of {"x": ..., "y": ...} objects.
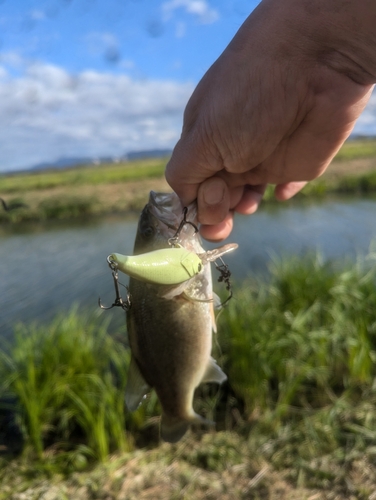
[
  {"x": 213, "y": 373},
  {"x": 217, "y": 301},
  {"x": 213, "y": 320},
  {"x": 136, "y": 387},
  {"x": 170, "y": 291},
  {"x": 192, "y": 299},
  {"x": 173, "y": 428},
  {"x": 216, "y": 304},
  {"x": 201, "y": 289}
]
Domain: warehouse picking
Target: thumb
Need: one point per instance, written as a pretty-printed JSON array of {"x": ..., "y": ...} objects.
[{"x": 213, "y": 201}]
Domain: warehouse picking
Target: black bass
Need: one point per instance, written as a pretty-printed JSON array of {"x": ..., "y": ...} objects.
[{"x": 170, "y": 326}]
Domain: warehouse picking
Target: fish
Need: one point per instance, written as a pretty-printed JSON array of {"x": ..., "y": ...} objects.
[{"x": 170, "y": 326}]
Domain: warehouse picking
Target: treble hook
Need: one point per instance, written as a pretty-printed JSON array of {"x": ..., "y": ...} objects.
[
  {"x": 119, "y": 302},
  {"x": 225, "y": 276},
  {"x": 174, "y": 239}
]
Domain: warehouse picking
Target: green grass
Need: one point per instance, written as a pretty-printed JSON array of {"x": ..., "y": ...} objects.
[
  {"x": 53, "y": 208},
  {"x": 357, "y": 148},
  {"x": 347, "y": 185},
  {"x": 68, "y": 380},
  {"x": 133, "y": 170},
  {"x": 299, "y": 349},
  {"x": 83, "y": 175},
  {"x": 300, "y": 354}
]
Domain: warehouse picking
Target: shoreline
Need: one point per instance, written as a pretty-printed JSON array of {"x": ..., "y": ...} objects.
[{"x": 87, "y": 201}]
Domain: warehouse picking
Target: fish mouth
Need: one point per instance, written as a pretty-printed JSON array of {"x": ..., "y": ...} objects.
[{"x": 167, "y": 209}]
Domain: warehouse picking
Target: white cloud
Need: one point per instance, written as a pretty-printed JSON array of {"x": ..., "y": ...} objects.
[
  {"x": 198, "y": 8},
  {"x": 12, "y": 59},
  {"x": 48, "y": 113}
]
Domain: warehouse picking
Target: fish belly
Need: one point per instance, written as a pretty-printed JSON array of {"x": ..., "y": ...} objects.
[{"x": 171, "y": 342}]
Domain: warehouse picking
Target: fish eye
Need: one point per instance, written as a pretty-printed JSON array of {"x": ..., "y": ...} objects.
[{"x": 148, "y": 231}]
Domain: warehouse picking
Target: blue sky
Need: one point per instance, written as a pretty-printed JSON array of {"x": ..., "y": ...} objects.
[{"x": 105, "y": 77}]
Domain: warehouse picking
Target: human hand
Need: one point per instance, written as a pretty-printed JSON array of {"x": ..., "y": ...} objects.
[{"x": 274, "y": 108}]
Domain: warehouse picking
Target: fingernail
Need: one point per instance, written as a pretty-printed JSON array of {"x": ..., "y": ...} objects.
[{"x": 214, "y": 193}]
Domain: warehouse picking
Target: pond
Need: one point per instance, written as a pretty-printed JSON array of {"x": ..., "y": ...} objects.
[{"x": 46, "y": 270}]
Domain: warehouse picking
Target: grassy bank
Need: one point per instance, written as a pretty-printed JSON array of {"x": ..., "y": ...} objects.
[
  {"x": 81, "y": 191},
  {"x": 117, "y": 188},
  {"x": 84, "y": 175},
  {"x": 296, "y": 418}
]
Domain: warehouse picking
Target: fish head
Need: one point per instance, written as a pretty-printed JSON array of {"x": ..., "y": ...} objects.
[{"x": 160, "y": 220}]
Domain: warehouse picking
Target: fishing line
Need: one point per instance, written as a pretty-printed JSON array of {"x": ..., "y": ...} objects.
[{"x": 174, "y": 240}]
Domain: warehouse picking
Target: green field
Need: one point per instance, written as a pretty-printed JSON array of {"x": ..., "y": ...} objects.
[
  {"x": 299, "y": 350},
  {"x": 83, "y": 191},
  {"x": 358, "y": 148},
  {"x": 83, "y": 175},
  {"x": 88, "y": 191}
]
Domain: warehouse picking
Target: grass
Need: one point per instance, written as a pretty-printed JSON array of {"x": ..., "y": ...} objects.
[
  {"x": 82, "y": 175},
  {"x": 92, "y": 190},
  {"x": 310, "y": 336},
  {"x": 67, "y": 381},
  {"x": 79, "y": 192},
  {"x": 299, "y": 350},
  {"x": 357, "y": 148}
]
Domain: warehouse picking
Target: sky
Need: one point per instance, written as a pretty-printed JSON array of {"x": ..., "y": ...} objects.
[{"x": 95, "y": 78}]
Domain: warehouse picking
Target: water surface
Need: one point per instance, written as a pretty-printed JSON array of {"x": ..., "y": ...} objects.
[{"x": 46, "y": 271}]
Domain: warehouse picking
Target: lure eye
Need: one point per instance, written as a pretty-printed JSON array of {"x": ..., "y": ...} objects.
[{"x": 199, "y": 267}]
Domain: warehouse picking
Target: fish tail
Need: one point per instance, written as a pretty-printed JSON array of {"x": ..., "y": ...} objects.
[{"x": 173, "y": 428}]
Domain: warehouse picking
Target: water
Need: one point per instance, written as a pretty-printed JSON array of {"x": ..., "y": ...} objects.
[{"x": 47, "y": 271}]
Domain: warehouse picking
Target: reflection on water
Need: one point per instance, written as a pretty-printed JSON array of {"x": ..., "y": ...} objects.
[{"x": 47, "y": 271}]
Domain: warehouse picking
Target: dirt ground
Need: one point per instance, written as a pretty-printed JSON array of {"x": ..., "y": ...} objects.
[{"x": 202, "y": 470}]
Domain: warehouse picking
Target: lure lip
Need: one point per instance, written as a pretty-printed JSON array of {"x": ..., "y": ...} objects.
[{"x": 216, "y": 253}]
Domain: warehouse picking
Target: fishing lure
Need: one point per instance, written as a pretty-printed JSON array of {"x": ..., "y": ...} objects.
[{"x": 166, "y": 266}]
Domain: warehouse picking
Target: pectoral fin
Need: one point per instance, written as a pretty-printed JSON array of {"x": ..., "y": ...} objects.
[
  {"x": 170, "y": 291},
  {"x": 136, "y": 387},
  {"x": 217, "y": 304},
  {"x": 213, "y": 373}
]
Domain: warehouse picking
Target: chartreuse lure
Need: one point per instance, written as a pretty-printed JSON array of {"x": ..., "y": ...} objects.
[{"x": 167, "y": 266}]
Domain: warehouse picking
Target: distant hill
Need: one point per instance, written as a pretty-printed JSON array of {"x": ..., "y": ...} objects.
[
  {"x": 76, "y": 161},
  {"x": 62, "y": 163},
  {"x": 151, "y": 153}
]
